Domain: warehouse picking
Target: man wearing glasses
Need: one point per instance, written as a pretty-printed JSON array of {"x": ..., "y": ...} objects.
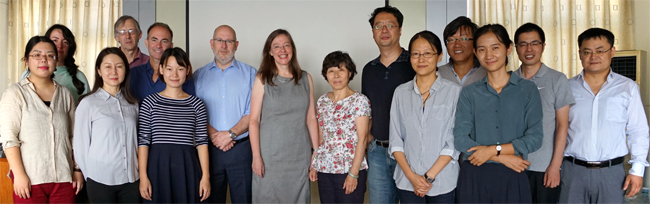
[
  {"x": 379, "y": 79},
  {"x": 463, "y": 67},
  {"x": 607, "y": 119},
  {"x": 553, "y": 86},
  {"x": 128, "y": 34},
  {"x": 225, "y": 86}
]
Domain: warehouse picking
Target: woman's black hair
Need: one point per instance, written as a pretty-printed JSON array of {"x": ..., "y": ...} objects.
[
  {"x": 182, "y": 59},
  {"x": 69, "y": 61},
  {"x": 498, "y": 30},
  {"x": 336, "y": 59},
  {"x": 35, "y": 40},
  {"x": 433, "y": 40},
  {"x": 125, "y": 88}
]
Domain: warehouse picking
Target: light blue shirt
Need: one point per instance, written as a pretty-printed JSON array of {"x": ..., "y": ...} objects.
[{"x": 226, "y": 93}]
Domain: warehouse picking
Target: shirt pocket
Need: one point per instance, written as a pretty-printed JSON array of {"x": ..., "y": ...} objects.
[
  {"x": 615, "y": 109},
  {"x": 441, "y": 112}
]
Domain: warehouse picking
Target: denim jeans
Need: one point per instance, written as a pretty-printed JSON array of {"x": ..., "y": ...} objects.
[{"x": 380, "y": 175}]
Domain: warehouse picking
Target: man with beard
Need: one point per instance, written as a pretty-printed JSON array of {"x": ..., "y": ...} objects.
[
  {"x": 128, "y": 34},
  {"x": 225, "y": 86}
]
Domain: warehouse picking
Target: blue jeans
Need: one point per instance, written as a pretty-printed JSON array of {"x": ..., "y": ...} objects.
[
  {"x": 410, "y": 197},
  {"x": 380, "y": 175}
]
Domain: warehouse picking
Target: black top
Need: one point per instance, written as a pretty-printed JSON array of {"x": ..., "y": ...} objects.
[
  {"x": 47, "y": 103},
  {"x": 378, "y": 83}
]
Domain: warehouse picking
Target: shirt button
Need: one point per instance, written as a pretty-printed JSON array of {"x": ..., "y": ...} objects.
[
  {"x": 497, "y": 111},
  {"x": 223, "y": 97},
  {"x": 497, "y": 127}
]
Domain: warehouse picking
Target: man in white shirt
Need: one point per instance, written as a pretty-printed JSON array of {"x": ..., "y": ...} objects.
[{"x": 607, "y": 120}]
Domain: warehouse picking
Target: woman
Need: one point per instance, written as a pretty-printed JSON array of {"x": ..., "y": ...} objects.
[
  {"x": 498, "y": 123},
  {"x": 281, "y": 129},
  {"x": 67, "y": 72},
  {"x": 173, "y": 128},
  {"x": 343, "y": 116},
  {"x": 105, "y": 133},
  {"x": 421, "y": 122},
  {"x": 36, "y": 128}
]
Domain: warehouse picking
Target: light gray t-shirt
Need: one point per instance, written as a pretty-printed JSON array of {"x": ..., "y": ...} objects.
[
  {"x": 447, "y": 72},
  {"x": 556, "y": 93}
]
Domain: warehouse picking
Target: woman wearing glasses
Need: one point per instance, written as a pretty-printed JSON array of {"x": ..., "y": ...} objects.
[
  {"x": 421, "y": 124},
  {"x": 36, "y": 128}
]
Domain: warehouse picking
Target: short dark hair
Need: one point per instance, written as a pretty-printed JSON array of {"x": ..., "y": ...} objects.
[
  {"x": 530, "y": 27},
  {"x": 336, "y": 59},
  {"x": 182, "y": 59},
  {"x": 164, "y": 25},
  {"x": 122, "y": 20},
  {"x": 498, "y": 30},
  {"x": 387, "y": 9},
  {"x": 432, "y": 38},
  {"x": 596, "y": 33},
  {"x": 457, "y": 24}
]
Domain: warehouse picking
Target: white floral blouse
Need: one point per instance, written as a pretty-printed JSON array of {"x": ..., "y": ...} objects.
[{"x": 337, "y": 121}]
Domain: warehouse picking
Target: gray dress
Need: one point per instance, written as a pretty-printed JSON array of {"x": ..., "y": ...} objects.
[{"x": 284, "y": 143}]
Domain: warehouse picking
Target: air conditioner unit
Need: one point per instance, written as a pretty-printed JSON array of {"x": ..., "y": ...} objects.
[{"x": 628, "y": 63}]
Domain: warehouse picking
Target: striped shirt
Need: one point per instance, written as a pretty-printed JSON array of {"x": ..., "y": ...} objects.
[{"x": 172, "y": 121}]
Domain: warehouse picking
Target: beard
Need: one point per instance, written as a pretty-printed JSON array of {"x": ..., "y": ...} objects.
[{"x": 224, "y": 60}]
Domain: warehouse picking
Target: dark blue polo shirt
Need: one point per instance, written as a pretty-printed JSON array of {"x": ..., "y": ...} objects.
[
  {"x": 378, "y": 83},
  {"x": 142, "y": 85}
]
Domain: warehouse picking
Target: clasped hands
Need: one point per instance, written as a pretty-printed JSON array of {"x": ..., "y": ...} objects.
[
  {"x": 484, "y": 153},
  {"x": 222, "y": 140}
]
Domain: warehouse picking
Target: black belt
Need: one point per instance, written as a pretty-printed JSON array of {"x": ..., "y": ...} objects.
[
  {"x": 241, "y": 140},
  {"x": 596, "y": 164},
  {"x": 383, "y": 143}
]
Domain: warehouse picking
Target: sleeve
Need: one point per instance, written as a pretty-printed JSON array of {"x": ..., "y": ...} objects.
[
  {"x": 188, "y": 87},
  {"x": 449, "y": 148},
  {"x": 82, "y": 133},
  {"x": 201, "y": 128},
  {"x": 637, "y": 133},
  {"x": 144, "y": 122},
  {"x": 396, "y": 129},
  {"x": 464, "y": 122},
  {"x": 362, "y": 107},
  {"x": 11, "y": 109},
  {"x": 247, "y": 110},
  {"x": 563, "y": 93},
  {"x": 532, "y": 138}
]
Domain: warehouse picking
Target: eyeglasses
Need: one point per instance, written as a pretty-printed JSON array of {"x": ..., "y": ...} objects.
[
  {"x": 38, "y": 56},
  {"x": 123, "y": 32},
  {"x": 463, "y": 40},
  {"x": 586, "y": 53},
  {"x": 525, "y": 44},
  {"x": 426, "y": 55},
  {"x": 219, "y": 41},
  {"x": 388, "y": 26}
]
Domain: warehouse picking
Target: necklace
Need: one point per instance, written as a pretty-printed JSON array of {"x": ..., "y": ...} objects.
[{"x": 283, "y": 79}]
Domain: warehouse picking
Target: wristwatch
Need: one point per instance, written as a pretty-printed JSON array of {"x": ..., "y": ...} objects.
[
  {"x": 429, "y": 179},
  {"x": 498, "y": 149},
  {"x": 232, "y": 135}
]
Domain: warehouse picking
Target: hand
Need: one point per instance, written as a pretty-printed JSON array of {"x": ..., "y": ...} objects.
[
  {"x": 350, "y": 184},
  {"x": 220, "y": 139},
  {"x": 77, "y": 181},
  {"x": 370, "y": 138},
  {"x": 204, "y": 188},
  {"x": 227, "y": 146},
  {"x": 313, "y": 175},
  {"x": 516, "y": 163},
  {"x": 481, "y": 154},
  {"x": 145, "y": 188},
  {"x": 258, "y": 167},
  {"x": 420, "y": 184},
  {"x": 22, "y": 186},
  {"x": 635, "y": 182},
  {"x": 552, "y": 177}
]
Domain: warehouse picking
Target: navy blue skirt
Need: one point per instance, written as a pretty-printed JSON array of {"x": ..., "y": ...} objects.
[{"x": 175, "y": 174}]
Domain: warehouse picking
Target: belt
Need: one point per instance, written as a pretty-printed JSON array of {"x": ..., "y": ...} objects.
[
  {"x": 383, "y": 143},
  {"x": 596, "y": 164},
  {"x": 241, "y": 140}
]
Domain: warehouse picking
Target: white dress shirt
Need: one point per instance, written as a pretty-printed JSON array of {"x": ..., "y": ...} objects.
[{"x": 598, "y": 124}]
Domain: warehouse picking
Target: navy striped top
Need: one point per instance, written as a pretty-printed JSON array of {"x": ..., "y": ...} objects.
[{"x": 172, "y": 121}]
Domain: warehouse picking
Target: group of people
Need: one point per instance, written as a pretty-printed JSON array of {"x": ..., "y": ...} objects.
[{"x": 151, "y": 129}]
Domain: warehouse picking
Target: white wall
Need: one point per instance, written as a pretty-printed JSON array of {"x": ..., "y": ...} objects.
[
  {"x": 642, "y": 42},
  {"x": 172, "y": 12}
]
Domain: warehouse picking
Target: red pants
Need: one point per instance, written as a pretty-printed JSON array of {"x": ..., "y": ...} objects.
[{"x": 49, "y": 193}]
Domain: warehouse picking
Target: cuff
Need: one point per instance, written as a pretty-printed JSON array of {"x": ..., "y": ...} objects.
[
  {"x": 637, "y": 169},
  {"x": 394, "y": 149},
  {"x": 10, "y": 144},
  {"x": 447, "y": 152}
]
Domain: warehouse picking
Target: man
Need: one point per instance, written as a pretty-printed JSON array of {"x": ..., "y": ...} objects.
[
  {"x": 225, "y": 86},
  {"x": 144, "y": 78},
  {"x": 608, "y": 117},
  {"x": 463, "y": 67},
  {"x": 553, "y": 86},
  {"x": 128, "y": 34},
  {"x": 379, "y": 79}
]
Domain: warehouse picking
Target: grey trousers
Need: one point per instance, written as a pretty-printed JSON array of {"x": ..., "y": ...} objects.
[{"x": 582, "y": 185}]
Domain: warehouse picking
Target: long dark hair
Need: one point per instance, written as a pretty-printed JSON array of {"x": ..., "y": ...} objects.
[
  {"x": 125, "y": 88},
  {"x": 69, "y": 61},
  {"x": 32, "y": 42},
  {"x": 267, "y": 68}
]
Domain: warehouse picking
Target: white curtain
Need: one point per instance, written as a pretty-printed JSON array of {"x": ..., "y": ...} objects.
[{"x": 91, "y": 21}]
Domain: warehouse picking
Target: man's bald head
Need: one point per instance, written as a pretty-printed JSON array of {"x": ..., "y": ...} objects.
[{"x": 224, "y": 44}]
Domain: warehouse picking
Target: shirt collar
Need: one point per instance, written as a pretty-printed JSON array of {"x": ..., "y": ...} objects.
[
  {"x": 434, "y": 87},
  {"x": 610, "y": 76},
  {"x": 140, "y": 54},
  {"x": 404, "y": 56},
  {"x": 26, "y": 81},
  {"x": 540, "y": 73},
  {"x": 514, "y": 79},
  {"x": 105, "y": 95}
]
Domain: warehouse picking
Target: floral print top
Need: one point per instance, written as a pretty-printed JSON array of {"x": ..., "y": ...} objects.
[{"x": 337, "y": 121}]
